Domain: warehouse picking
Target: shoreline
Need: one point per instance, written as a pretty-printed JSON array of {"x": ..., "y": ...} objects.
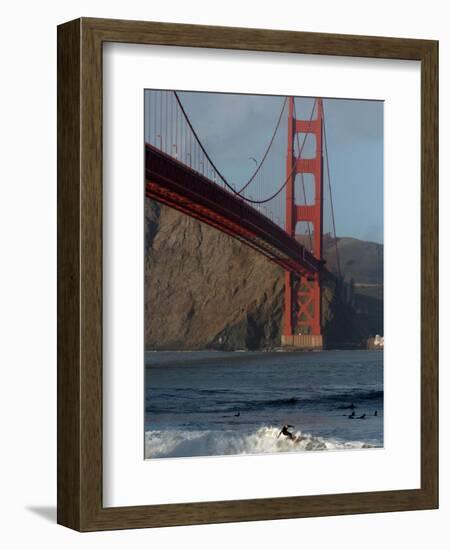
[{"x": 200, "y": 357}]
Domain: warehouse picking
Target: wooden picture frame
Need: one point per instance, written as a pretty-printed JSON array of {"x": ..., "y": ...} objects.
[{"x": 80, "y": 504}]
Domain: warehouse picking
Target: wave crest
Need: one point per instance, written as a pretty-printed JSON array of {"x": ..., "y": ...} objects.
[{"x": 179, "y": 443}]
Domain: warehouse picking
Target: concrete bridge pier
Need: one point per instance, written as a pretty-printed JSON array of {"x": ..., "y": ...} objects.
[{"x": 306, "y": 342}]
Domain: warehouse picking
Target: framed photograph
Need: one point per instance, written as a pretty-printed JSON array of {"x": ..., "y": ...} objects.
[{"x": 247, "y": 274}]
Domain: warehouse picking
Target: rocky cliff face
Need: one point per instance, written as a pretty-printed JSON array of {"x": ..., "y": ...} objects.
[{"x": 204, "y": 289}]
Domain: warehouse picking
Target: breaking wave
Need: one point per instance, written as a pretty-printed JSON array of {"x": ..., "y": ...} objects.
[{"x": 179, "y": 443}]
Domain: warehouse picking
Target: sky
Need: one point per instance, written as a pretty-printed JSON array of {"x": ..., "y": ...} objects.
[{"x": 235, "y": 129}]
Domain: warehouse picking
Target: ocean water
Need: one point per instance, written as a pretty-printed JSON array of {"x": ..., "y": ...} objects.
[{"x": 230, "y": 403}]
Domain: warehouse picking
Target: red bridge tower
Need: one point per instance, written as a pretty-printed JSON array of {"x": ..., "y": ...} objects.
[{"x": 302, "y": 313}]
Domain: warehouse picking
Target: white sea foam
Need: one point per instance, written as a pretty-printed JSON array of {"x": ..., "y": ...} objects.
[{"x": 178, "y": 443}]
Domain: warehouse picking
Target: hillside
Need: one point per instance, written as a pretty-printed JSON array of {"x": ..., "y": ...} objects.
[
  {"x": 361, "y": 261},
  {"x": 362, "y": 269},
  {"x": 361, "y": 264},
  {"x": 204, "y": 289}
]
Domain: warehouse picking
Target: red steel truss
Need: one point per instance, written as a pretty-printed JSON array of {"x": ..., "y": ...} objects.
[{"x": 302, "y": 314}]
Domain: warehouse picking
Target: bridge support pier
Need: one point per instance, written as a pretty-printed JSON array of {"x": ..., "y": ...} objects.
[{"x": 306, "y": 342}]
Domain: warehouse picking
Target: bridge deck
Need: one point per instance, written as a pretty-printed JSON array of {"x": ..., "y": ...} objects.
[{"x": 177, "y": 185}]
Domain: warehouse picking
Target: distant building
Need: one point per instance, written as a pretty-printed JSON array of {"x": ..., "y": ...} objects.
[{"x": 375, "y": 342}]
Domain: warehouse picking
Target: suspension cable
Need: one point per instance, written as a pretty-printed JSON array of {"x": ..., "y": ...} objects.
[
  {"x": 337, "y": 255},
  {"x": 259, "y": 166},
  {"x": 210, "y": 160},
  {"x": 296, "y": 161},
  {"x": 294, "y": 167},
  {"x": 221, "y": 175}
]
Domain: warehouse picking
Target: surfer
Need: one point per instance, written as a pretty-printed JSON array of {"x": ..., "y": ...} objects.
[
  {"x": 362, "y": 417},
  {"x": 284, "y": 431},
  {"x": 352, "y": 415}
]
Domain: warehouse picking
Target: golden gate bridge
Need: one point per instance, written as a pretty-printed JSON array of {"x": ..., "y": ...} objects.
[{"x": 264, "y": 211}]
